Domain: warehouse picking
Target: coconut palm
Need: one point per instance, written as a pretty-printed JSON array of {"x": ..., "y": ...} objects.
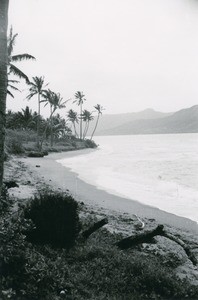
[
  {"x": 37, "y": 88},
  {"x": 56, "y": 102},
  {"x": 12, "y": 69},
  {"x": 3, "y": 79},
  {"x": 79, "y": 99},
  {"x": 25, "y": 118},
  {"x": 73, "y": 118},
  {"x": 99, "y": 109},
  {"x": 86, "y": 117}
]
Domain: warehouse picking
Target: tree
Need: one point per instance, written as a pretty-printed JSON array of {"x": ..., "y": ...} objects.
[
  {"x": 99, "y": 109},
  {"x": 37, "y": 88},
  {"x": 12, "y": 69},
  {"x": 25, "y": 118},
  {"x": 56, "y": 102},
  {"x": 73, "y": 118},
  {"x": 86, "y": 117},
  {"x": 3, "y": 79},
  {"x": 80, "y": 100}
]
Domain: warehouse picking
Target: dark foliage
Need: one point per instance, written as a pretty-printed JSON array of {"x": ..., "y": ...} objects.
[
  {"x": 56, "y": 220},
  {"x": 5, "y": 202},
  {"x": 90, "y": 144},
  {"x": 35, "y": 154}
]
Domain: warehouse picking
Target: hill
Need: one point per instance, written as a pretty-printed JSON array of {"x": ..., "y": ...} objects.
[
  {"x": 183, "y": 121},
  {"x": 112, "y": 121}
]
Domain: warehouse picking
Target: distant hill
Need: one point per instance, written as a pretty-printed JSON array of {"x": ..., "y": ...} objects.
[
  {"x": 183, "y": 121},
  {"x": 109, "y": 122}
]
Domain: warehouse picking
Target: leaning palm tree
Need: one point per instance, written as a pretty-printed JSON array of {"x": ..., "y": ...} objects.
[
  {"x": 86, "y": 117},
  {"x": 73, "y": 118},
  {"x": 37, "y": 88},
  {"x": 79, "y": 96},
  {"x": 99, "y": 109},
  {"x": 12, "y": 69},
  {"x": 3, "y": 80}
]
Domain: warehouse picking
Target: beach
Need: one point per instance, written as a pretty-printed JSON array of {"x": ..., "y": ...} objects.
[
  {"x": 49, "y": 172},
  {"x": 34, "y": 175}
]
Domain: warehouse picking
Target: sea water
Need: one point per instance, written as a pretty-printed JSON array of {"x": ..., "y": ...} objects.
[{"x": 157, "y": 170}]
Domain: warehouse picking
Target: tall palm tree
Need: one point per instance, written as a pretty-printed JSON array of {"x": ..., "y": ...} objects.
[
  {"x": 37, "y": 88},
  {"x": 86, "y": 117},
  {"x": 99, "y": 109},
  {"x": 12, "y": 69},
  {"x": 73, "y": 118},
  {"x": 3, "y": 79},
  {"x": 56, "y": 102},
  {"x": 79, "y": 99}
]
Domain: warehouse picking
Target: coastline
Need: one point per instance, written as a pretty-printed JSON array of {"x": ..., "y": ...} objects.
[{"x": 58, "y": 177}]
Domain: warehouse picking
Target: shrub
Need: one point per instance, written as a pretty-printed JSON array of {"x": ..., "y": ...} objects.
[
  {"x": 15, "y": 146},
  {"x": 55, "y": 216},
  {"x": 90, "y": 144},
  {"x": 5, "y": 201}
]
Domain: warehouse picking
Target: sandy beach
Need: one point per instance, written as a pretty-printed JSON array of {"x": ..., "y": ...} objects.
[
  {"x": 58, "y": 177},
  {"x": 38, "y": 174}
]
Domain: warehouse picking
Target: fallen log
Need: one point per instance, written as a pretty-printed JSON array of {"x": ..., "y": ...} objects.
[
  {"x": 148, "y": 236},
  {"x": 94, "y": 227},
  {"x": 141, "y": 238}
]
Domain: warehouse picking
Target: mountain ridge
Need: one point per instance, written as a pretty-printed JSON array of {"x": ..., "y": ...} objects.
[{"x": 182, "y": 121}]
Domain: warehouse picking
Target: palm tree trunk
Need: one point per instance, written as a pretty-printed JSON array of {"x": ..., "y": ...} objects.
[
  {"x": 75, "y": 129},
  {"x": 81, "y": 121},
  {"x": 95, "y": 127},
  {"x": 3, "y": 79},
  {"x": 51, "y": 128},
  {"x": 38, "y": 120}
]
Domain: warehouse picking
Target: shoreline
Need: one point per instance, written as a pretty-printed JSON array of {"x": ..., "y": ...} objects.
[{"x": 59, "y": 177}]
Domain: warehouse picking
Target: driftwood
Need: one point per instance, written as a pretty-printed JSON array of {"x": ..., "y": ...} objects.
[
  {"x": 147, "y": 237},
  {"x": 141, "y": 238},
  {"x": 94, "y": 227}
]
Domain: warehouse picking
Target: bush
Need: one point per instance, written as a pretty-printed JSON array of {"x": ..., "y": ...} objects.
[
  {"x": 90, "y": 144},
  {"x": 56, "y": 219},
  {"x": 15, "y": 146},
  {"x": 5, "y": 202}
]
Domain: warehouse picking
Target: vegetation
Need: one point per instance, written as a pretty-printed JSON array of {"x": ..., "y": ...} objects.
[
  {"x": 55, "y": 217},
  {"x": 95, "y": 269}
]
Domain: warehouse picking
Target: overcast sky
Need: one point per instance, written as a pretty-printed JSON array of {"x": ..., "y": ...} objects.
[{"x": 127, "y": 55}]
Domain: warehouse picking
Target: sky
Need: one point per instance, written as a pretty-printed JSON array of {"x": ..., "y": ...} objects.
[{"x": 126, "y": 55}]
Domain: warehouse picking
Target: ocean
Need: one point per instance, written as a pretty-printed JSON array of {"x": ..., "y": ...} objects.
[{"x": 157, "y": 170}]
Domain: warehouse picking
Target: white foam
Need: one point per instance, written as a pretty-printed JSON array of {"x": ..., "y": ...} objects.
[{"x": 157, "y": 170}]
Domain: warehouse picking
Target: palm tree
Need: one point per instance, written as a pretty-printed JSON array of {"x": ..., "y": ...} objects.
[
  {"x": 25, "y": 118},
  {"x": 86, "y": 117},
  {"x": 12, "y": 69},
  {"x": 56, "y": 102},
  {"x": 73, "y": 118},
  {"x": 99, "y": 109},
  {"x": 80, "y": 100},
  {"x": 37, "y": 88},
  {"x": 3, "y": 80}
]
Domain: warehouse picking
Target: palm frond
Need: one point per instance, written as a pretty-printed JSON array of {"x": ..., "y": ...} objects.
[
  {"x": 21, "y": 57},
  {"x": 13, "y": 81},
  {"x": 13, "y": 87},
  {"x": 9, "y": 93},
  {"x": 31, "y": 95},
  {"x": 14, "y": 70}
]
